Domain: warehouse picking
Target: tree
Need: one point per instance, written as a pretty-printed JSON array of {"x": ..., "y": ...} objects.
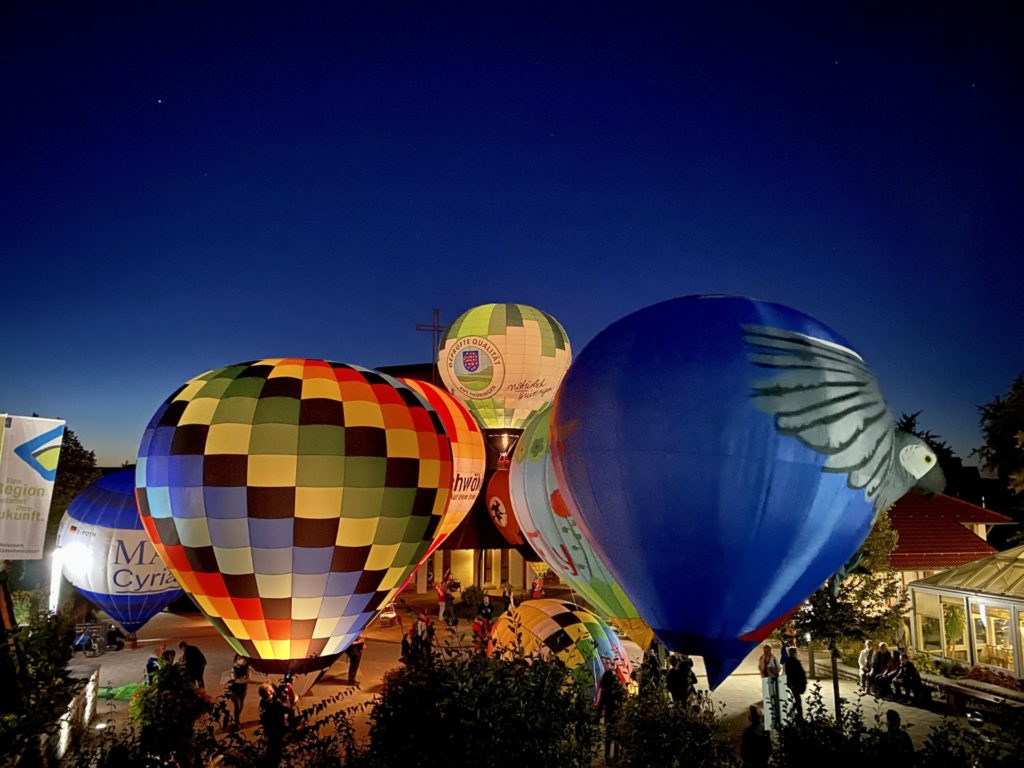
[
  {"x": 868, "y": 603},
  {"x": 1002, "y": 426},
  {"x": 76, "y": 470}
]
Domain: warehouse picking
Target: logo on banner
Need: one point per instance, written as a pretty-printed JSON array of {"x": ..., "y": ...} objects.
[{"x": 42, "y": 453}]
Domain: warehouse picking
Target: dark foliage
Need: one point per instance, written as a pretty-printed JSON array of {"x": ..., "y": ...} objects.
[
  {"x": 653, "y": 730},
  {"x": 44, "y": 686},
  {"x": 452, "y": 708}
]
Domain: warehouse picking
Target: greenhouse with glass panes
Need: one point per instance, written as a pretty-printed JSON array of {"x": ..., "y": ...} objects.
[{"x": 973, "y": 614}]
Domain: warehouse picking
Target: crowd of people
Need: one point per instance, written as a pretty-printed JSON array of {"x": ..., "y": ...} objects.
[{"x": 888, "y": 674}]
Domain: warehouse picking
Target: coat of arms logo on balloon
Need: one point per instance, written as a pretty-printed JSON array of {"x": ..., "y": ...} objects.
[{"x": 724, "y": 457}]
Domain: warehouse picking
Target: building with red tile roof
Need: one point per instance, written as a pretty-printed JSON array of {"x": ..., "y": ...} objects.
[{"x": 939, "y": 532}]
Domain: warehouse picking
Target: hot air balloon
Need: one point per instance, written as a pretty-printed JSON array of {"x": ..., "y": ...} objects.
[
  {"x": 564, "y": 631},
  {"x": 539, "y": 567},
  {"x": 550, "y": 529},
  {"x": 468, "y": 456},
  {"x": 291, "y": 498},
  {"x": 107, "y": 556},
  {"x": 504, "y": 361},
  {"x": 725, "y": 456},
  {"x": 499, "y": 507}
]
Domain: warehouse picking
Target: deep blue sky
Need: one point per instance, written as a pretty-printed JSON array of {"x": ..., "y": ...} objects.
[{"x": 186, "y": 185}]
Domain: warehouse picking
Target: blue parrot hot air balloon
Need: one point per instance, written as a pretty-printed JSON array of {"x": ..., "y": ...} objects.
[
  {"x": 726, "y": 456},
  {"x": 108, "y": 557}
]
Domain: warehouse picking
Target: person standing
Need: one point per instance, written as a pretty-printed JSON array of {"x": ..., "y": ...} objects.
[
  {"x": 767, "y": 665},
  {"x": 238, "y": 686},
  {"x": 609, "y": 699},
  {"x": 487, "y": 610},
  {"x": 865, "y": 661},
  {"x": 195, "y": 662},
  {"x": 678, "y": 682},
  {"x": 355, "y": 655},
  {"x": 898, "y": 747},
  {"x": 154, "y": 661},
  {"x": 449, "y": 607},
  {"x": 796, "y": 681},
  {"x": 442, "y": 592},
  {"x": 756, "y": 745}
]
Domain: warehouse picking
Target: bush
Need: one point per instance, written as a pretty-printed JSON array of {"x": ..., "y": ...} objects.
[
  {"x": 652, "y": 730},
  {"x": 450, "y": 708},
  {"x": 472, "y": 599},
  {"x": 44, "y": 688},
  {"x": 175, "y": 717},
  {"x": 166, "y": 736}
]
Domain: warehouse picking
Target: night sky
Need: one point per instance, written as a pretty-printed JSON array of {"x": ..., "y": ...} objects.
[{"x": 186, "y": 185}]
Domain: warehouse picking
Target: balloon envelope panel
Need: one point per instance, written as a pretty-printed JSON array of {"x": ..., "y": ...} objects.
[
  {"x": 291, "y": 498},
  {"x": 550, "y": 528},
  {"x": 469, "y": 459},
  {"x": 504, "y": 361},
  {"x": 107, "y": 556},
  {"x": 713, "y": 521},
  {"x": 574, "y": 635}
]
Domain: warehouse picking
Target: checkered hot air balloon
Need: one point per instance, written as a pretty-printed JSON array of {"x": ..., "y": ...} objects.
[
  {"x": 291, "y": 498},
  {"x": 564, "y": 631},
  {"x": 107, "y": 556}
]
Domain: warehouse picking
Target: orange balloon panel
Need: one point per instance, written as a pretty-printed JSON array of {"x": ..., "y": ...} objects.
[{"x": 469, "y": 458}]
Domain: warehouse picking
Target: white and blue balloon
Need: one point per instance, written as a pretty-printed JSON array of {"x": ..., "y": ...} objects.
[{"x": 107, "y": 556}]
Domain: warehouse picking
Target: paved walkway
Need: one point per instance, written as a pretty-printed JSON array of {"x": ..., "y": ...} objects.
[{"x": 383, "y": 648}]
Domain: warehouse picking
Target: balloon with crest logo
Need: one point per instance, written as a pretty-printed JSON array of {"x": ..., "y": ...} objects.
[
  {"x": 106, "y": 555},
  {"x": 504, "y": 361},
  {"x": 292, "y": 498},
  {"x": 725, "y": 456}
]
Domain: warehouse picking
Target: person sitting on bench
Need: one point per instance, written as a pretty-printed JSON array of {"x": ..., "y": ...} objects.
[{"x": 906, "y": 683}]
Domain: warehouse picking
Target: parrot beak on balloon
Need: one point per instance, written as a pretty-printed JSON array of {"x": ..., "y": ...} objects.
[{"x": 932, "y": 482}]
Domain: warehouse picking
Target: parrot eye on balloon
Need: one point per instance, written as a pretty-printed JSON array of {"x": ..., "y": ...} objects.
[{"x": 824, "y": 394}]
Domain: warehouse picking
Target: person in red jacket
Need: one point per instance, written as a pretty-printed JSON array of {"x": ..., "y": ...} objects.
[{"x": 442, "y": 590}]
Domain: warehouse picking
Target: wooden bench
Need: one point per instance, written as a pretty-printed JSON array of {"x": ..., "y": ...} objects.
[{"x": 959, "y": 694}]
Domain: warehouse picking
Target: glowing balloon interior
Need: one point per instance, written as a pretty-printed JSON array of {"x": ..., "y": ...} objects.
[
  {"x": 550, "y": 529},
  {"x": 107, "y": 556},
  {"x": 291, "y": 498},
  {"x": 724, "y": 456},
  {"x": 564, "y": 631},
  {"x": 504, "y": 361}
]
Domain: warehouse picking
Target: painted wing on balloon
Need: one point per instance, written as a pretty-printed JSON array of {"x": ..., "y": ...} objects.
[{"x": 823, "y": 394}]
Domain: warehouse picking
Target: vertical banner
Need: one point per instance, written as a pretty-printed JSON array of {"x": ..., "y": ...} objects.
[{"x": 29, "y": 451}]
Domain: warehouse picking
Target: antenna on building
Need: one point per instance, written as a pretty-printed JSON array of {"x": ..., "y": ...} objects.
[{"x": 436, "y": 330}]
